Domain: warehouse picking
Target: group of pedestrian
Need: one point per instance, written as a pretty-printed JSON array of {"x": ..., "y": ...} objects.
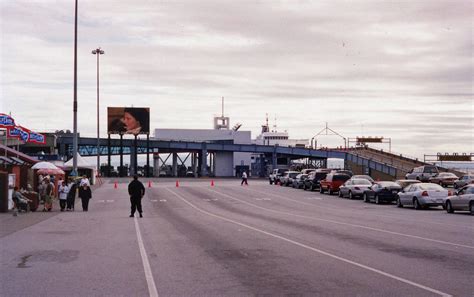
[{"x": 66, "y": 192}]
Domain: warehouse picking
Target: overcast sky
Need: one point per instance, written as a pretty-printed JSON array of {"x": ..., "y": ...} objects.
[{"x": 398, "y": 69}]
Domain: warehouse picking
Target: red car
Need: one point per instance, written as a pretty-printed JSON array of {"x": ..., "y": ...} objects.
[{"x": 332, "y": 182}]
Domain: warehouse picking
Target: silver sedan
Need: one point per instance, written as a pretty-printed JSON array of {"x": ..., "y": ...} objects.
[
  {"x": 354, "y": 187},
  {"x": 462, "y": 200},
  {"x": 422, "y": 195}
]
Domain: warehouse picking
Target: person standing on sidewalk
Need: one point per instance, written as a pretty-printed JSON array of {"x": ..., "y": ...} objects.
[
  {"x": 244, "y": 178},
  {"x": 63, "y": 192},
  {"x": 85, "y": 194},
  {"x": 48, "y": 196},
  {"x": 136, "y": 190},
  {"x": 71, "y": 196}
]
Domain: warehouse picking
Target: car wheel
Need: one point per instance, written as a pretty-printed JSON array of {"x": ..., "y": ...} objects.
[
  {"x": 350, "y": 195},
  {"x": 271, "y": 183},
  {"x": 321, "y": 190},
  {"x": 416, "y": 204},
  {"x": 330, "y": 191},
  {"x": 377, "y": 200},
  {"x": 399, "y": 203},
  {"x": 471, "y": 208},
  {"x": 365, "y": 198},
  {"x": 455, "y": 186},
  {"x": 340, "y": 194},
  {"x": 449, "y": 207}
]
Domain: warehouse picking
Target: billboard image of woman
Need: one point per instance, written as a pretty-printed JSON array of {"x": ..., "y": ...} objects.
[{"x": 128, "y": 120}]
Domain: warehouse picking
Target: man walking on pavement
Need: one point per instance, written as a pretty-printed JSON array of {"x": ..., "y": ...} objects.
[
  {"x": 244, "y": 179},
  {"x": 136, "y": 190}
]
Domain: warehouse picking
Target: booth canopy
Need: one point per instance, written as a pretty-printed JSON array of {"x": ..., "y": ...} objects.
[{"x": 81, "y": 163}]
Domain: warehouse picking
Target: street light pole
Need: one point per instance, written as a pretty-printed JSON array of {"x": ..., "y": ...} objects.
[
  {"x": 74, "y": 139},
  {"x": 98, "y": 52}
]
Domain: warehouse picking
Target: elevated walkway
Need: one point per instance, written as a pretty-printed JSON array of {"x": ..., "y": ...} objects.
[{"x": 401, "y": 164}]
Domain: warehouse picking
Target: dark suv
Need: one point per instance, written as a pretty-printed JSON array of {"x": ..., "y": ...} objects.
[
  {"x": 332, "y": 182},
  {"x": 314, "y": 178}
]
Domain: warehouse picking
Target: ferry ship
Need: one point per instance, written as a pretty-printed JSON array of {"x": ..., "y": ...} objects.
[{"x": 274, "y": 137}]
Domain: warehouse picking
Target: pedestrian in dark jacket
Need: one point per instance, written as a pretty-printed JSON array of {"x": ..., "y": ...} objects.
[
  {"x": 71, "y": 197},
  {"x": 85, "y": 194},
  {"x": 136, "y": 190}
]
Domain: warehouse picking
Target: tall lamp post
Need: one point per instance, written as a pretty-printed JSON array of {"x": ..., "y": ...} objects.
[
  {"x": 74, "y": 139},
  {"x": 98, "y": 52}
]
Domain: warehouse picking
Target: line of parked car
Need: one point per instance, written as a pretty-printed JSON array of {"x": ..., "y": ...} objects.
[{"x": 422, "y": 188}]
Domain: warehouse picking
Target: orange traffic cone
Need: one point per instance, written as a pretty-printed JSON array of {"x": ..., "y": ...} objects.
[
  {"x": 149, "y": 184},
  {"x": 115, "y": 185},
  {"x": 177, "y": 184},
  {"x": 212, "y": 183}
]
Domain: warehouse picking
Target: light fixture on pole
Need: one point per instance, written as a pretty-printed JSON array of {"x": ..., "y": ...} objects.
[{"x": 98, "y": 52}]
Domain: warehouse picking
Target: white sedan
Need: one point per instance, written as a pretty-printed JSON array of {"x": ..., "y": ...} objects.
[
  {"x": 422, "y": 195},
  {"x": 354, "y": 187},
  {"x": 462, "y": 200}
]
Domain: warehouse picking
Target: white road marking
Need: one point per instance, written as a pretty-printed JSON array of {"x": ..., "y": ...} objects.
[
  {"x": 146, "y": 264},
  {"x": 313, "y": 198},
  {"x": 403, "y": 280},
  {"x": 162, "y": 200},
  {"x": 154, "y": 200},
  {"x": 101, "y": 201},
  {"x": 110, "y": 201},
  {"x": 346, "y": 224}
]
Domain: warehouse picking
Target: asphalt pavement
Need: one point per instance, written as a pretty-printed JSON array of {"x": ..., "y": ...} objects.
[{"x": 232, "y": 240}]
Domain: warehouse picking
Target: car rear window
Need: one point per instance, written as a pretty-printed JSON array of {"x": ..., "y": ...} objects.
[
  {"x": 293, "y": 175},
  {"x": 320, "y": 175},
  {"x": 388, "y": 184},
  {"x": 430, "y": 169},
  {"x": 340, "y": 177},
  {"x": 361, "y": 181},
  {"x": 431, "y": 187}
]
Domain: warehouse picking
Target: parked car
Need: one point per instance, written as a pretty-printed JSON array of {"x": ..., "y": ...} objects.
[
  {"x": 383, "y": 191},
  {"x": 422, "y": 173},
  {"x": 422, "y": 195},
  {"x": 363, "y": 177},
  {"x": 298, "y": 181},
  {"x": 462, "y": 200},
  {"x": 354, "y": 187},
  {"x": 463, "y": 181},
  {"x": 332, "y": 182},
  {"x": 287, "y": 178},
  {"x": 274, "y": 177},
  {"x": 314, "y": 178},
  {"x": 406, "y": 182},
  {"x": 444, "y": 179}
]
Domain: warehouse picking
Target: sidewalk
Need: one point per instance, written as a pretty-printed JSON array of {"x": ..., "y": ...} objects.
[{"x": 10, "y": 224}]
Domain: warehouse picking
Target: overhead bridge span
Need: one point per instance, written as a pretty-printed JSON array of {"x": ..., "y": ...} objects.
[{"x": 133, "y": 147}]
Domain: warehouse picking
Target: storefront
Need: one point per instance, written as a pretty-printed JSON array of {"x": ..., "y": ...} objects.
[{"x": 15, "y": 171}]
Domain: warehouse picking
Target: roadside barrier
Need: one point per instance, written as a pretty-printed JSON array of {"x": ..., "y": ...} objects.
[
  {"x": 149, "y": 184},
  {"x": 177, "y": 184},
  {"x": 212, "y": 183},
  {"x": 115, "y": 185}
]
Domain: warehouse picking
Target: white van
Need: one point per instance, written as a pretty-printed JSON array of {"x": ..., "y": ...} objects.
[{"x": 422, "y": 173}]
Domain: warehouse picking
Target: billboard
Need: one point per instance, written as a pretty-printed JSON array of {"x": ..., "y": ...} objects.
[{"x": 128, "y": 120}]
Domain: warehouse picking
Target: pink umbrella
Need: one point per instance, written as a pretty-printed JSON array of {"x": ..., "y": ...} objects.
[{"x": 48, "y": 171}]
